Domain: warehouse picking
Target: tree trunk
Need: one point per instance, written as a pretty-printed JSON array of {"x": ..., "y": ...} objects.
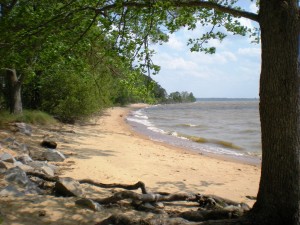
[
  {"x": 278, "y": 197},
  {"x": 14, "y": 92}
]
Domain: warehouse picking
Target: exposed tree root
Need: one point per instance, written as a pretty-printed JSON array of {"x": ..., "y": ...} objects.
[
  {"x": 122, "y": 220},
  {"x": 43, "y": 176},
  {"x": 136, "y": 186},
  {"x": 150, "y": 197},
  {"x": 212, "y": 210}
]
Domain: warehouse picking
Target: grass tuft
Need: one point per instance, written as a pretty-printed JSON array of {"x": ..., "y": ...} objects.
[{"x": 30, "y": 117}]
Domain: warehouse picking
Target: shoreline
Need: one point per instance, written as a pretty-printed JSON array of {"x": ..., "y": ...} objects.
[
  {"x": 113, "y": 152},
  {"x": 249, "y": 160},
  {"x": 107, "y": 150}
]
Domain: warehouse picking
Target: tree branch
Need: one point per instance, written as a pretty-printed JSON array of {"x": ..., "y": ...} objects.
[
  {"x": 218, "y": 7},
  {"x": 200, "y": 4},
  {"x": 138, "y": 185},
  {"x": 7, "y": 69}
]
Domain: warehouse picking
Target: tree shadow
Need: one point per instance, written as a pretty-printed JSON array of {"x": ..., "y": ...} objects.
[
  {"x": 87, "y": 153},
  {"x": 206, "y": 184},
  {"x": 47, "y": 210},
  {"x": 179, "y": 185}
]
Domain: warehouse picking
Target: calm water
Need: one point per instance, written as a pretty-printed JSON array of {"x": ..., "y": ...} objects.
[{"x": 226, "y": 127}]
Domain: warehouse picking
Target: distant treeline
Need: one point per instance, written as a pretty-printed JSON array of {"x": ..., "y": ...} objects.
[{"x": 180, "y": 97}]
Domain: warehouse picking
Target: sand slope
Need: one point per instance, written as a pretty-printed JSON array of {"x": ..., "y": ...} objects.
[{"x": 109, "y": 151}]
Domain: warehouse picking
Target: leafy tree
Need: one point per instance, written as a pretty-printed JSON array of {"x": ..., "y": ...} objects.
[
  {"x": 177, "y": 97},
  {"x": 278, "y": 199},
  {"x": 133, "y": 24},
  {"x": 137, "y": 87}
]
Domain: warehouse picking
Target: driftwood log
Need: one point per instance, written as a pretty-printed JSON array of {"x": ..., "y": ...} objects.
[
  {"x": 136, "y": 186},
  {"x": 212, "y": 210}
]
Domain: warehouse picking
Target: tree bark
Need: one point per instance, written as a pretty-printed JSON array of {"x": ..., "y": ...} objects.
[
  {"x": 14, "y": 92},
  {"x": 278, "y": 197}
]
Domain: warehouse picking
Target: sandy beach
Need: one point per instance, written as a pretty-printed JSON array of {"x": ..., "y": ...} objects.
[{"x": 108, "y": 150}]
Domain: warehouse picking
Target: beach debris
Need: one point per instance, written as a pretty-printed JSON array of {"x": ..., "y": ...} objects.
[
  {"x": 18, "y": 184},
  {"x": 16, "y": 175},
  {"x": 135, "y": 186},
  {"x": 41, "y": 213},
  {"x": 3, "y": 165},
  {"x": 11, "y": 190},
  {"x": 15, "y": 145},
  {"x": 24, "y": 158},
  {"x": 7, "y": 140},
  {"x": 24, "y": 174},
  {"x": 88, "y": 203},
  {"x": 121, "y": 219},
  {"x": 6, "y": 157},
  {"x": 68, "y": 187},
  {"x": 22, "y": 166},
  {"x": 53, "y": 155},
  {"x": 47, "y": 170},
  {"x": 251, "y": 197},
  {"x": 24, "y": 128},
  {"x": 49, "y": 144},
  {"x": 43, "y": 166}
]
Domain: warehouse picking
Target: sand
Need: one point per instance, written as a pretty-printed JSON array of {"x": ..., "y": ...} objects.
[{"x": 108, "y": 150}]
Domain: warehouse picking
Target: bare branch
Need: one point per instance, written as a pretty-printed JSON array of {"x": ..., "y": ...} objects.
[{"x": 138, "y": 185}]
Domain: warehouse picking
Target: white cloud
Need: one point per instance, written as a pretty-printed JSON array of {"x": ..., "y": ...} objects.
[
  {"x": 233, "y": 71},
  {"x": 246, "y": 22},
  {"x": 253, "y": 52},
  {"x": 227, "y": 56},
  {"x": 253, "y": 8},
  {"x": 175, "y": 43},
  {"x": 174, "y": 62}
]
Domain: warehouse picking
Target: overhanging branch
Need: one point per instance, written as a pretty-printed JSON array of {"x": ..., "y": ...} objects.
[
  {"x": 218, "y": 7},
  {"x": 199, "y": 4}
]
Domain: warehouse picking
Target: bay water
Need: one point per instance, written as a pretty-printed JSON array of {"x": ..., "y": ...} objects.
[{"x": 220, "y": 127}]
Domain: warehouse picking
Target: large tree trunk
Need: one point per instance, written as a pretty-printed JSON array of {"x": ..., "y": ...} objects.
[
  {"x": 14, "y": 92},
  {"x": 278, "y": 197}
]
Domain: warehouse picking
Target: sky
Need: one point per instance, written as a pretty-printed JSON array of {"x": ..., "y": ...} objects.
[{"x": 232, "y": 72}]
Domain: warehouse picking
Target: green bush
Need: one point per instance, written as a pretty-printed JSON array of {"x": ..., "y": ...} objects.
[{"x": 69, "y": 96}]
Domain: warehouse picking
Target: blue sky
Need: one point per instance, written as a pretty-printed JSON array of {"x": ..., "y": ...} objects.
[{"x": 232, "y": 72}]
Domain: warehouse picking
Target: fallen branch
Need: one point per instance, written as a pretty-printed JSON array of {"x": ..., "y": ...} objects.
[
  {"x": 213, "y": 210},
  {"x": 43, "y": 176},
  {"x": 136, "y": 186},
  {"x": 150, "y": 197},
  {"x": 205, "y": 215}
]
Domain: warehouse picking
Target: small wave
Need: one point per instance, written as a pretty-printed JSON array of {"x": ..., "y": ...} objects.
[
  {"x": 227, "y": 144},
  {"x": 140, "y": 118},
  {"x": 139, "y": 114},
  {"x": 155, "y": 129},
  {"x": 257, "y": 154},
  {"x": 186, "y": 125},
  {"x": 175, "y": 134},
  {"x": 141, "y": 121},
  {"x": 197, "y": 139},
  {"x": 249, "y": 131},
  {"x": 221, "y": 143}
]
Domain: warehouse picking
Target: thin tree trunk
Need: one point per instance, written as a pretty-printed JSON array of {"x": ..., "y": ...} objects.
[
  {"x": 14, "y": 92},
  {"x": 278, "y": 197}
]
